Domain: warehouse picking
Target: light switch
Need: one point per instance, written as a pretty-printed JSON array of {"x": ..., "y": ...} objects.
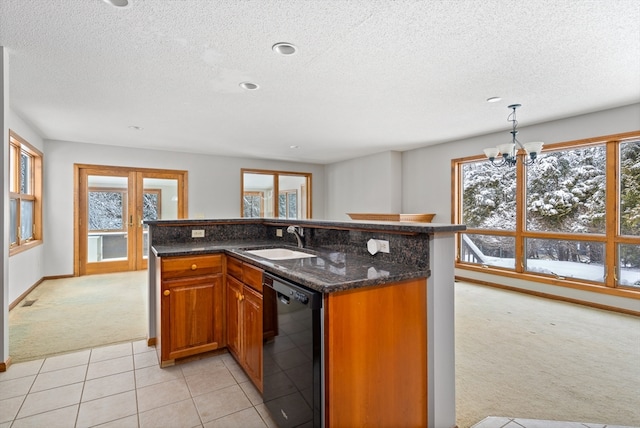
[{"x": 197, "y": 233}]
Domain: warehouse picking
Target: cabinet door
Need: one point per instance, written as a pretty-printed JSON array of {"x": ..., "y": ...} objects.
[
  {"x": 234, "y": 295},
  {"x": 234, "y": 268},
  {"x": 192, "y": 308},
  {"x": 252, "y": 319}
]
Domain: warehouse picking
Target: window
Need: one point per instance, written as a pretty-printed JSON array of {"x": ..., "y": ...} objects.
[
  {"x": 253, "y": 205},
  {"x": 276, "y": 194},
  {"x": 25, "y": 195},
  {"x": 107, "y": 208},
  {"x": 151, "y": 204},
  {"x": 571, "y": 218},
  {"x": 288, "y": 204}
]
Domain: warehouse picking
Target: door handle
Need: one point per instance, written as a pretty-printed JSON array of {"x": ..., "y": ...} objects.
[
  {"x": 166, "y": 292},
  {"x": 130, "y": 221},
  {"x": 284, "y": 299}
]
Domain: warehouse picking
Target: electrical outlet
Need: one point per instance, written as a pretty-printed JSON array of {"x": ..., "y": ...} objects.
[
  {"x": 279, "y": 233},
  {"x": 383, "y": 245},
  {"x": 197, "y": 233}
]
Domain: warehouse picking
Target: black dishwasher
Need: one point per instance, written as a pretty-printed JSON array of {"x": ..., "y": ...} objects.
[{"x": 292, "y": 379}]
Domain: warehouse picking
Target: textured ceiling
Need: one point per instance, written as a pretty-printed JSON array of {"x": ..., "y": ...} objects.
[{"x": 369, "y": 76}]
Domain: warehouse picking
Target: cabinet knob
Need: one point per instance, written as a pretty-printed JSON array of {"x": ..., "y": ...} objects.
[
  {"x": 194, "y": 266},
  {"x": 241, "y": 297},
  {"x": 166, "y": 292}
]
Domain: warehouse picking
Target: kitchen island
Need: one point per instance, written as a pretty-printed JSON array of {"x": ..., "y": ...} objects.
[{"x": 416, "y": 274}]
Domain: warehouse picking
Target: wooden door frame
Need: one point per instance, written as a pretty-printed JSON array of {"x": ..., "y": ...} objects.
[{"x": 135, "y": 175}]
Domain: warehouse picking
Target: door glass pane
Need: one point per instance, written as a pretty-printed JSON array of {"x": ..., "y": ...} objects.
[
  {"x": 13, "y": 221},
  {"x": 567, "y": 259},
  {"x": 107, "y": 237},
  {"x": 629, "y": 265},
  {"x": 629, "y": 197},
  {"x": 282, "y": 205},
  {"x": 252, "y": 205},
  {"x": 292, "y": 206},
  {"x": 488, "y": 250},
  {"x": 257, "y": 197},
  {"x": 26, "y": 220},
  {"x": 566, "y": 191},
  {"x": 489, "y": 196},
  {"x": 159, "y": 202}
]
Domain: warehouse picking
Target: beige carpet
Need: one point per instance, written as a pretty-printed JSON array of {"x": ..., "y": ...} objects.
[
  {"x": 78, "y": 313},
  {"x": 528, "y": 357}
]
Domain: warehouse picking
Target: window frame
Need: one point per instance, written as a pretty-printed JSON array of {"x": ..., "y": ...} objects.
[
  {"x": 610, "y": 238},
  {"x": 303, "y": 206},
  {"x": 18, "y": 145}
]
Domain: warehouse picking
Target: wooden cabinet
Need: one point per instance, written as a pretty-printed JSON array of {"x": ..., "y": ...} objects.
[
  {"x": 376, "y": 356},
  {"x": 252, "y": 330},
  {"x": 244, "y": 317},
  {"x": 191, "y": 304},
  {"x": 234, "y": 293}
]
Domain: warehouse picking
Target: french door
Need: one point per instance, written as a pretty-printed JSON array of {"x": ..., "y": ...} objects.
[{"x": 111, "y": 205}]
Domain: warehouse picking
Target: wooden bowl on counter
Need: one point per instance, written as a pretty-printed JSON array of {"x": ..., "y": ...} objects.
[{"x": 419, "y": 218}]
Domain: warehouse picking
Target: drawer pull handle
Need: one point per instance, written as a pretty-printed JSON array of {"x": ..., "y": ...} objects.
[
  {"x": 166, "y": 292},
  {"x": 194, "y": 266}
]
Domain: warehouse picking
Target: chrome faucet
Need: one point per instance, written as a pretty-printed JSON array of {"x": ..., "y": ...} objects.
[{"x": 298, "y": 232}]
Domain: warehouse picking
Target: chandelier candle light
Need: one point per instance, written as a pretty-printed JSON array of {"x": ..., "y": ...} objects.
[{"x": 510, "y": 150}]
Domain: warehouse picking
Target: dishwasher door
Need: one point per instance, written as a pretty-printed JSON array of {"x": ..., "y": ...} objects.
[{"x": 292, "y": 382}]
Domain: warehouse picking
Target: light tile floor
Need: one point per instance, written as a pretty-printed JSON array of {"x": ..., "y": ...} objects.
[
  {"x": 123, "y": 386},
  {"x": 502, "y": 422}
]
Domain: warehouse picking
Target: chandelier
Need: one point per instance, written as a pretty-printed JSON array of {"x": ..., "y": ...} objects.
[{"x": 509, "y": 151}]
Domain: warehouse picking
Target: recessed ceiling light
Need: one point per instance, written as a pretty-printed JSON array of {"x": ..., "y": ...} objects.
[
  {"x": 136, "y": 128},
  {"x": 249, "y": 86},
  {"x": 494, "y": 99},
  {"x": 293, "y": 146},
  {"x": 284, "y": 48},
  {"x": 117, "y": 3}
]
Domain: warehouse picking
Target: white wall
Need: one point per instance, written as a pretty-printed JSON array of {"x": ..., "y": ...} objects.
[
  {"x": 4, "y": 207},
  {"x": 214, "y": 187},
  {"x": 26, "y": 268},
  {"x": 427, "y": 176},
  {"x": 370, "y": 184},
  {"x": 426, "y": 172}
]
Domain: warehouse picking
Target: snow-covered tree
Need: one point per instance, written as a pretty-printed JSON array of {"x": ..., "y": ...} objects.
[
  {"x": 566, "y": 191},
  {"x": 489, "y": 196},
  {"x": 106, "y": 210},
  {"x": 630, "y": 188}
]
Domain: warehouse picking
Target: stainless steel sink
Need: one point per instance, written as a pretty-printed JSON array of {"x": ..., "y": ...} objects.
[{"x": 280, "y": 254}]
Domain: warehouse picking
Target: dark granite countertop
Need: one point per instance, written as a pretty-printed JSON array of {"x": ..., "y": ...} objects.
[
  {"x": 329, "y": 271},
  {"x": 391, "y": 226}
]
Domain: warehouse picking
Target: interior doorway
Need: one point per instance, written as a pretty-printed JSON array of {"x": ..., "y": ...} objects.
[{"x": 111, "y": 205}]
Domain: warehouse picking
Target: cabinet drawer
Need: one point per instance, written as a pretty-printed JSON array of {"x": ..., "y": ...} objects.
[
  {"x": 252, "y": 276},
  {"x": 234, "y": 268},
  {"x": 179, "y": 267}
]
